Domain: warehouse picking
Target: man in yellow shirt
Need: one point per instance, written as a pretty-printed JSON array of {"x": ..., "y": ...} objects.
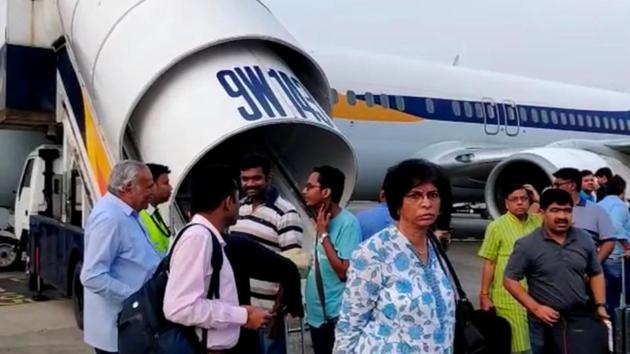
[
  {"x": 159, "y": 232},
  {"x": 520, "y": 219}
]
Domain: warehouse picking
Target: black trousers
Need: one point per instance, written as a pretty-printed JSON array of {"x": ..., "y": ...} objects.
[{"x": 323, "y": 337}]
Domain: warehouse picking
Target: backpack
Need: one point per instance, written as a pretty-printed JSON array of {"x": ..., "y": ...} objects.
[{"x": 142, "y": 327}]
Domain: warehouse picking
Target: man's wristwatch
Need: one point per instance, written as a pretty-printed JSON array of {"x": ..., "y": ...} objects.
[
  {"x": 600, "y": 304},
  {"x": 322, "y": 237}
]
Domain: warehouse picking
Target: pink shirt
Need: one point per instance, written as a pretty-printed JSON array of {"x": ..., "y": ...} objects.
[{"x": 185, "y": 299}]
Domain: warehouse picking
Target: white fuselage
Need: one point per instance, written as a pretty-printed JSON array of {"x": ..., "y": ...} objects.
[{"x": 444, "y": 108}]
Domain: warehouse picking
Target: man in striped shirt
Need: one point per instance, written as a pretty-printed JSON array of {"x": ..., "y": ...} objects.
[{"x": 272, "y": 221}]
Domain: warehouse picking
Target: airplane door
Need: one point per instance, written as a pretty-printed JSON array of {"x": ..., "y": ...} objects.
[
  {"x": 490, "y": 116},
  {"x": 511, "y": 118}
]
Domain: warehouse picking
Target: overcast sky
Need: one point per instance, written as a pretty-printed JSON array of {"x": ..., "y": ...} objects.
[{"x": 576, "y": 41}]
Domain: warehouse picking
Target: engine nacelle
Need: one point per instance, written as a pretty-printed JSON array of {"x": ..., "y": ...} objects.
[{"x": 536, "y": 167}]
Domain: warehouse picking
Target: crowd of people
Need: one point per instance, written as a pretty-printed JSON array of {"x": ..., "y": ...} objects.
[{"x": 377, "y": 282}]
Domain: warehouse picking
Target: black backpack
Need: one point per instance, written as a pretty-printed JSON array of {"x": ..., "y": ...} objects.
[{"x": 142, "y": 327}]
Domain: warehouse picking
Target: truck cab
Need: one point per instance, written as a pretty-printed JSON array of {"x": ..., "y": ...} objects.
[{"x": 29, "y": 198}]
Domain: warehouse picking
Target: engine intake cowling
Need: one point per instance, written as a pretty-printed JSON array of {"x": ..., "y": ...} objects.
[{"x": 536, "y": 167}]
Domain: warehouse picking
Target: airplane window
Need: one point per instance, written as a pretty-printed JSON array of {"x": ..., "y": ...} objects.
[
  {"x": 430, "y": 106},
  {"x": 384, "y": 101},
  {"x": 534, "y": 115},
  {"x": 622, "y": 124},
  {"x": 490, "y": 109},
  {"x": 457, "y": 109},
  {"x": 589, "y": 121},
  {"x": 572, "y": 118},
  {"x": 598, "y": 121},
  {"x": 468, "y": 111},
  {"x": 613, "y": 123},
  {"x": 563, "y": 118},
  {"x": 369, "y": 99},
  {"x": 605, "y": 119},
  {"x": 554, "y": 117},
  {"x": 352, "y": 98},
  {"x": 479, "y": 111},
  {"x": 544, "y": 116},
  {"x": 580, "y": 120},
  {"x": 510, "y": 113},
  {"x": 334, "y": 97},
  {"x": 400, "y": 103},
  {"x": 523, "y": 114}
]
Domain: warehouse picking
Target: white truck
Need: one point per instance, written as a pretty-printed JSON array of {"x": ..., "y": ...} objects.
[{"x": 181, "y": 84}]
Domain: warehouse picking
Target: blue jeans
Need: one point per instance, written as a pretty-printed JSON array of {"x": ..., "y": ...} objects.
[{"x": 540, "y": 336}]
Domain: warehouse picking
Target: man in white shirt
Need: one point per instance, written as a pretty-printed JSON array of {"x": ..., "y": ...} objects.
[{"x": 214, "y": 206}]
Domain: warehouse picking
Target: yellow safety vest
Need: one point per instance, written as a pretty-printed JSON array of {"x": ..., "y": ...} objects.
[{"x": 159, "y": 232}]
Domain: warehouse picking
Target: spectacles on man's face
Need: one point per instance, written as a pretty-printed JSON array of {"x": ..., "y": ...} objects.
[
  {"x": 559, "y": 184},
  {"x": 518, "y": 199}
]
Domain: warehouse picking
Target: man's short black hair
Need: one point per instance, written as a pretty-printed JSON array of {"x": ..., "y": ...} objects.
[
  {"x": 555, "y": 195},
  {"x": 604, "y": 172},
  {"x": 616, "y": 185},
  {"x": 333, "y": 178},
  {"x": 570, "y": 174},
  {"x": 157, "y": 170},
  {"x": 513, "y": 187},
  {"x": 255, "y": 160},
  {"x": 403, "y": 177},
  {"x": 209, "y": 186},
  {"x": 586, "y": 173}
]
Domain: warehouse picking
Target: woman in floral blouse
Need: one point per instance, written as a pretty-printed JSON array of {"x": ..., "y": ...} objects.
[{"x": 398, "y": 297}]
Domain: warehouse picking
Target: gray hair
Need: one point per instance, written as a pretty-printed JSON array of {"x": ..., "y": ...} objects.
[{"x": 124, "y": 174}]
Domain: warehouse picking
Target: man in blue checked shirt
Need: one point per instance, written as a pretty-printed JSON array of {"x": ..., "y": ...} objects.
[{"x": 119, "y": 256}]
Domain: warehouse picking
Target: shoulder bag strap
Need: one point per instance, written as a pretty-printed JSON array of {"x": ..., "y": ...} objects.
[
  {"x": 319, "y": 281},
  {"x": 216, "y": 261},
  {"x": 215, "y": 279},
  {"x": 442, "y": 258}
]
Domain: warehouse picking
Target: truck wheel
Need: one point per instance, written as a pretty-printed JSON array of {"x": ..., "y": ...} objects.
[
  {"x": 77, "y": 295},
  {"x": 8, "y": 253}
]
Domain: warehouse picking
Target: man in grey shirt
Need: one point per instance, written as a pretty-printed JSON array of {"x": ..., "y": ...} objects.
[
  {"x": 555, "y": 259},
  {"x": 587, "y": 215}
]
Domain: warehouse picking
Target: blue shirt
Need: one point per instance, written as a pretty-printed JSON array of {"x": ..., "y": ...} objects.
[
  {"x": 394, "y": 302},
  {"x": 118, "y": 259},
  {"x": 345, "y": 235},
  {"x": 592, "y": 218},
  {"x": 618, "y": 212},
  {"x": 587, "y": 196},
  {"x": 374, "y": 220}
]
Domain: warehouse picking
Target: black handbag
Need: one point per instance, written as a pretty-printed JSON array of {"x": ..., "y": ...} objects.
[
  {"x": 142, "y": 327},
  {"x": 468, "y": 338}
]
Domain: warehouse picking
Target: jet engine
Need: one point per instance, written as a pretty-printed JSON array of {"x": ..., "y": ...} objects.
[{"x": 536, "y": 167}]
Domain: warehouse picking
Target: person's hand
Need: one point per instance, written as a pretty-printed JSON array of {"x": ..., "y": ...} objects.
[
  {"x": 485, "y": 304},
  {"x": 602, "y": 313},
  {"x": 323, "y": 219},
  {"x": 256, "y": 318},
  {"x": 533, "y": 194},
  {"x": 546, "y": 314}
]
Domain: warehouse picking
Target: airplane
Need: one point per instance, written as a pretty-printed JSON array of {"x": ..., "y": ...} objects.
[{"x": 485, "y": 129}]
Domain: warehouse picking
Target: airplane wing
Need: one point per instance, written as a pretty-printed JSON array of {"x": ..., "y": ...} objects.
[
  {"x": 484, "y": 172},
  {"x": 621, "y": 145}
]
